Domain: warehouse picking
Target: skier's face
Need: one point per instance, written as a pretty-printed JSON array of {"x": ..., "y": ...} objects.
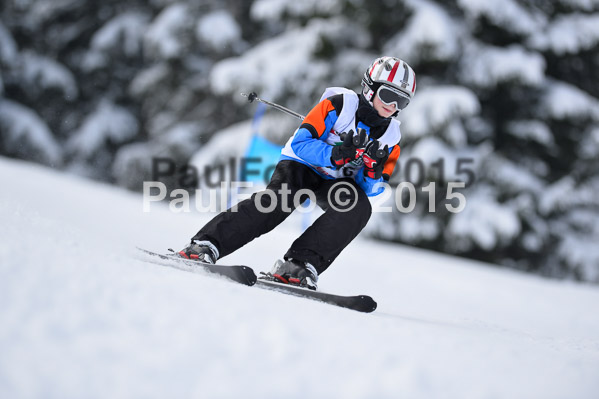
[{"x": 384, "y": 110}]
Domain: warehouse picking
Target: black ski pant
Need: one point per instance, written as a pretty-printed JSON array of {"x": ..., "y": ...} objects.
[{"x": 346, "y": 212}]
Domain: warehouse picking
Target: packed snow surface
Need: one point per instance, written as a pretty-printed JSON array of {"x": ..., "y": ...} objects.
[{"x": 82, "y": 317}]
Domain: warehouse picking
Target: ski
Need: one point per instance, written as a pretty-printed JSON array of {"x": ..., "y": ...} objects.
[
  {"x": 360, "y": 303},
  {"x": 237, "y": 273},
  {"x": 245, "y": 275}
]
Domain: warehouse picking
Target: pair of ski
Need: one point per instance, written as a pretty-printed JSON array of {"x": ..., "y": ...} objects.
[{"x": 245, "y": 275}]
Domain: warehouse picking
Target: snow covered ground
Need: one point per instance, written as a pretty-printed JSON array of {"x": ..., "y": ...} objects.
[{"x": 81, "y": 317}]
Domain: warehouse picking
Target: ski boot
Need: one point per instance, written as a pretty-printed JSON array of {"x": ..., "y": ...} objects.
[
  {"x": 294, "y": 272},
  {"x": 203, "y": 251}
]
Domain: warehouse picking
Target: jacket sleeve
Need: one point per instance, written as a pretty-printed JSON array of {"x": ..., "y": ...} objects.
[
  {"x": 309, "y": 141},
  {"x": 370, "y": 186},
  {"x": 391, "y": 162}
]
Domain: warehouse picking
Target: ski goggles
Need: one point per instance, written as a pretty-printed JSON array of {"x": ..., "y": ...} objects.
[{"x": 389, "y": 95}]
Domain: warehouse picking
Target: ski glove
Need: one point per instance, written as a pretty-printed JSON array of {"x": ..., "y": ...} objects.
[
  {"x": 349, "y": 150},
  {"x": 374, "y": 159}
]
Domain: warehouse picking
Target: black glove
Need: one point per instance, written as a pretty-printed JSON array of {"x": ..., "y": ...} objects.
[
  {"x": 349, "y": 150},
  {"x": 374, "y": 159}
]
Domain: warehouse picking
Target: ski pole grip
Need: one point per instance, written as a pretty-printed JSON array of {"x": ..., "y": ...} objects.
[{"x": 253, "y": 96}]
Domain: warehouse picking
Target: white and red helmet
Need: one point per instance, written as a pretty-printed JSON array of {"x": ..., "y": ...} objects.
[{"x": 389, "y": 71}]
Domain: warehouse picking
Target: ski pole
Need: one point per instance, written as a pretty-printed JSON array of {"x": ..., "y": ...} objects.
[{"x": 253, "y": 96}]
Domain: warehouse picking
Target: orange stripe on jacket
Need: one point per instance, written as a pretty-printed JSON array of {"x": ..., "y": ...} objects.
[
  {"x": 391, "y": 161},
  {"x": 318, "y": 114}
]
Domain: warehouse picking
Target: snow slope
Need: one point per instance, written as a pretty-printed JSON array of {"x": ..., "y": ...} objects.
[{"x": 81, "y": 317}]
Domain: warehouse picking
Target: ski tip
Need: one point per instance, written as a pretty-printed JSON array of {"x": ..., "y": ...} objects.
[
  {"x": 250, "y": 275},
  {"x": 368, "y": 304}
]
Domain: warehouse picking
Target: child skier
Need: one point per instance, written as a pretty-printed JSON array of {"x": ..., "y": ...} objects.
[{"x": 345, "y": 146}]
